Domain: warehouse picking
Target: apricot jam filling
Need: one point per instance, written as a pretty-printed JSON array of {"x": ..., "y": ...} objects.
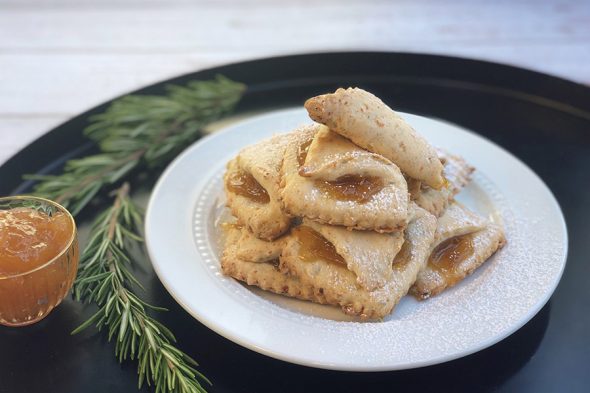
[
  {"x": 314, "y": 246},
  {"x": 447, "y": 255},
  {"x": 355, "y": 188},
  {"x": 244, "y": 184}
]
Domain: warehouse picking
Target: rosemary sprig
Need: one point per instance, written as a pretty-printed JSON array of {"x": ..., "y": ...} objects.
[
  {"x": 105, "y": 279},
  {"x": 134, "y": 133},
  {"x": 139, "y": 131}
]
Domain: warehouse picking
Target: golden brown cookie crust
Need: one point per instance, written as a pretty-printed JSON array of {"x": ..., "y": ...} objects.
[
  {"x": 266, "y": 276},
  {"x": 263, "y": 161},
  {"x": 367, "y": 254},
  {"x": 339, "y": 285},
  {"x": 486, "y": 239},
  {"x": 457, "y": 172},
  {"x": 386, "y": 211},
  {"x": 369, "y": 123}
]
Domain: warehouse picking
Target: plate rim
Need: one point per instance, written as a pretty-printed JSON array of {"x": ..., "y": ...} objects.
[{"x": 242, "y": 341}]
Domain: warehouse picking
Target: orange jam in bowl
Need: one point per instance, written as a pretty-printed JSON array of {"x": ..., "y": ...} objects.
[{"x": 38, "y": 258}]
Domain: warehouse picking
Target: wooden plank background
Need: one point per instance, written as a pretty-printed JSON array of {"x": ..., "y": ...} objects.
[{"x": 60, "y": 57}]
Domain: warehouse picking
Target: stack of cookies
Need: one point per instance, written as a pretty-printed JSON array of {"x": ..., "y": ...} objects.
[{"x": 354, "y": 210}]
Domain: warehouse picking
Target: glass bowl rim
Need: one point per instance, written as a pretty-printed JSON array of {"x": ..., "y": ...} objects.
[{"x": 64, "y": 250}]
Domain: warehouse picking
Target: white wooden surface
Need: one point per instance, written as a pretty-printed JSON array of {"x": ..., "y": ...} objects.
[{"x": 60, "y": 57}]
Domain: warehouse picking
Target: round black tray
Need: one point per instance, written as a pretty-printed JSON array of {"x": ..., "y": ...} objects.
[{"x": 545, "y": 121}]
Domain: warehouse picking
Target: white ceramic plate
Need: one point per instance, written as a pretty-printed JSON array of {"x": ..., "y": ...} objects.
[{"x": 495, "y": 301}]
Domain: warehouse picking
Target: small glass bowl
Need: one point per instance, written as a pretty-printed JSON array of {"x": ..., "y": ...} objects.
[{"x": 28, "y": 297}]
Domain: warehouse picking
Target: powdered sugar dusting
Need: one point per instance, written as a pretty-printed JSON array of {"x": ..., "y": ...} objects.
[{"x": 494, "y": 297}]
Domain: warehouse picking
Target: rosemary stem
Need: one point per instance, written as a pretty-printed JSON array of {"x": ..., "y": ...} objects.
[
  {"x": 135, "y": 133},
  {"x": 121, "y": 193}
]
